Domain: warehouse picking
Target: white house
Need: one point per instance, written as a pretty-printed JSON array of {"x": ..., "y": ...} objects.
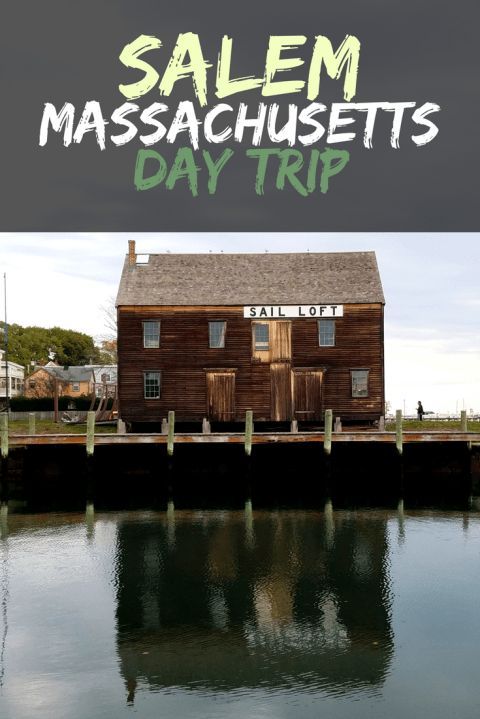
[
  {"x": 105, "y": 378},
  {"x": 16, "y": 378}
]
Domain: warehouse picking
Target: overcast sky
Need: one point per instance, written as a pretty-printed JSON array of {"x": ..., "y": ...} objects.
[{"x": 431, "y": 284}]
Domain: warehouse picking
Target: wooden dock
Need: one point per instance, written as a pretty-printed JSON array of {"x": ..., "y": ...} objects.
[{"x": 257, "y": 438}]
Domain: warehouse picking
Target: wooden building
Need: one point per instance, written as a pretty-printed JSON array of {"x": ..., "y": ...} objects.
[
  {"x": 285, "y": 335},
  {"x": 12, "y": 378}
]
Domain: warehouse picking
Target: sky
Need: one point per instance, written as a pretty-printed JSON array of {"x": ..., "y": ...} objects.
[{"x": 431, "y": 285}]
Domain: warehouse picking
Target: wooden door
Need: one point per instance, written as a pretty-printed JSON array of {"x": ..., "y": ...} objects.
[
  {"x": 221, "y": 395},
  {"x": 280, "y": 391},
  {"x": 281, "y": 341},
  {"x": 307, "y": 394}
]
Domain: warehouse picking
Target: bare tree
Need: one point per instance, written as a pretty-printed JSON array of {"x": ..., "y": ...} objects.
[
  {"x": 110, "y": 318},
  {"x": 107, "y": 342}
]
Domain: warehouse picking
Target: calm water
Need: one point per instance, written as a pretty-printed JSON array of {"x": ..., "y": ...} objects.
[{"x": 240, "y": 614}]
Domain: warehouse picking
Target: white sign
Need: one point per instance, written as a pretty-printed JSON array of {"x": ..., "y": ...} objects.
[{"x": 275, "y": 312}]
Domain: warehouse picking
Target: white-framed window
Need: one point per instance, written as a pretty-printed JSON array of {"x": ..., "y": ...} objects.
[
  {"x": 359, "y": 382},
  {"x": 261, "y": 336},
  {"x": 326, "y": 333},
  {"x": 151, "y": 385},
  {"x": 151, "y": 334},
  {"x": 75, "y": 386},
  {"x": 216, "y": 334}
]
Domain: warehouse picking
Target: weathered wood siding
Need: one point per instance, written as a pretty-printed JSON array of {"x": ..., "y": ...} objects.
[{"x": 184, "y": 357}]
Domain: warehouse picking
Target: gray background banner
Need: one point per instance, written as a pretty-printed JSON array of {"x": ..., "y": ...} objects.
[{"x": 58, "y": 51}]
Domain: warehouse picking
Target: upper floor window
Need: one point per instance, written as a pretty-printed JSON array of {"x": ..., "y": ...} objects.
[
  {"x": 261, "y": 336},
  {"x": 151, "y": 334},
  {"x": 359, "y": 382},
  {"x": 151, "y": 385},
  {"x": 76, "y": 387},
  {"x": 326, "y": 333},
  {"x": 216, "y": 334}
]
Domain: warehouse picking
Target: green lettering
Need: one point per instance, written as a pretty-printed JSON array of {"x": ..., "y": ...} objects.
[
  {"x": 333, "y": 162},
  {"x": 263, "y": 157},
  {"x": 215, "y": 167},
  {"x": 146, "y": 183},
  {"x": 184, "y": 166},
  {"x": 289, "y": 171}
]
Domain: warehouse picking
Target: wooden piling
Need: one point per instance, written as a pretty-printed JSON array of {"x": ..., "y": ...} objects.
[
  {"x": 249, "y": 533},
  {"x": 3, "y": 520},
  {"x": 171, "y": 432},
  {"x": 381, "y": 424},
  {"x": 90, "y": 518},
  {"x": 399, "y": 431},
  {"x": 327, "y": 442},
  {"x": 401, "y": 520},
  {"x": 248, "y": 432},
  {"x": 90, "y": 433},
  {"x": 463, "y": 421},
  {"x": 294, "y": 426},
  {"x": 31, "y": 423},
  {"x": 206, "y": 429},
  {"x": 329, "y": 522},
  {"x": 164, "y": 429},
  {"x": 338, "y": 424},
  {"x": 4, "y": 435},
  {"x": 170, "y": 523}
]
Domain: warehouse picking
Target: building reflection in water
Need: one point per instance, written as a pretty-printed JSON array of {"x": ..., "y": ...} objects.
[{"x": 223, "y": 601}]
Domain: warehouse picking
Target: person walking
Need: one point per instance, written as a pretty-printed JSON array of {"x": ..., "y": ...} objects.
[{"x": 420, "y": 411}]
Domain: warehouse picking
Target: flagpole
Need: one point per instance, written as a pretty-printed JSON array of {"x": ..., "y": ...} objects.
[{"x": 5, "y": 335}]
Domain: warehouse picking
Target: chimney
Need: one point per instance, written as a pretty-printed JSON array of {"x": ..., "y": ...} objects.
[{"x": 132, "y": 256}]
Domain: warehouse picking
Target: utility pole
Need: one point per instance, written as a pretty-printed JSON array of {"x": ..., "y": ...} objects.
[{"x": 5, "y": 339}]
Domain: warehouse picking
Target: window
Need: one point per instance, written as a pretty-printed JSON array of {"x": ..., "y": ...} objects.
[
  {"x": 32, "y": 384},
  {"x": 216, "y": 334},
  {"x": 261, "y": 336},
  {"x": 151, "y": 334},
  {"x": 326, "y": 333},
  {"x": 75, "y": 386},
  {"x": 151, "y": 385},
  {"x": 359, "y": 382}
]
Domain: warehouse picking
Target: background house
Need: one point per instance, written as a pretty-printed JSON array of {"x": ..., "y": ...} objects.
[
  {"x": 16, "y": 378},
  {"x": 71, "y": 381},
  {"x": 286, "y": 335},
  {"x": 105, "y": 378}
]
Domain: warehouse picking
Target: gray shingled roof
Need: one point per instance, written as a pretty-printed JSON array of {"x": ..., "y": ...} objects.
[
  {"x": 71, "y": 374},
  {"x": 252, "y": 279}
]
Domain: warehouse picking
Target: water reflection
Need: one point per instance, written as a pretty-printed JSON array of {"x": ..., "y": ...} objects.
[{"x": 235, "y": 600}]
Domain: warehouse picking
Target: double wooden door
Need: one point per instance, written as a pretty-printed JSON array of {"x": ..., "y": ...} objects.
[
  {"x": 307, "y": 393},
  {"x": 295, "y": 394}
]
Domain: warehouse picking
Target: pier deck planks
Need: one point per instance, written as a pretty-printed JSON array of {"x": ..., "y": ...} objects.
[{"x": 239, "y": 438}]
